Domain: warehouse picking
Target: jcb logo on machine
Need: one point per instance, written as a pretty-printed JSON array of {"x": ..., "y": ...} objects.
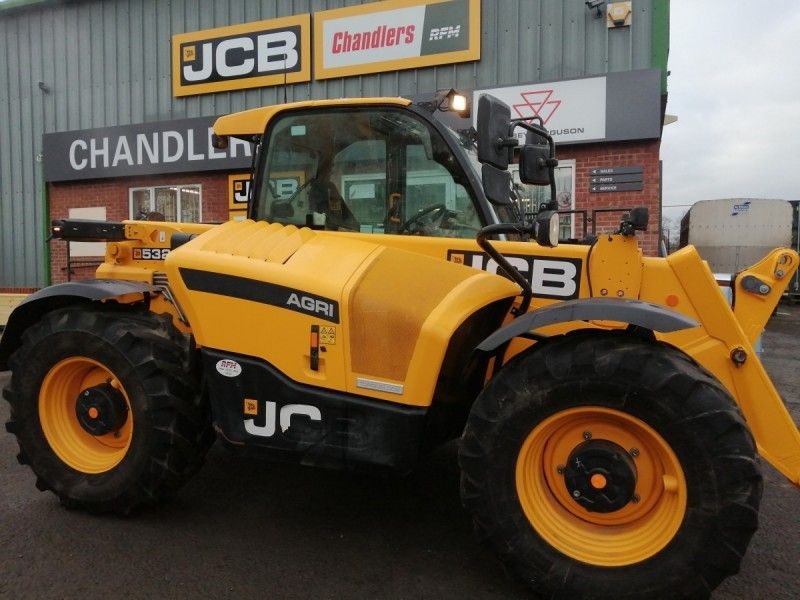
[
  {"x": 550, "y": 277},
  {"x": 274, "y": 417},
  {"x": 150, "y": 253},
  {"x": 241, "y": 56}
]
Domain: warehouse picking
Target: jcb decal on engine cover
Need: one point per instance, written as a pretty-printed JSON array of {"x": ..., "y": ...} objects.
[
  {"x": 150, "y": 253},
  {"x": 259, "y": 291},
  {"x": 550, "y": 277},
  {"x": 284, "y": 416}
]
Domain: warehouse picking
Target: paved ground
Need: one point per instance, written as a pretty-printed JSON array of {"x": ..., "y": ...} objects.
[{"x": 249, "y": 529}]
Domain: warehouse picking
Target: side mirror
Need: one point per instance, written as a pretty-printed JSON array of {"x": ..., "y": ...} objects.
[
  {"x": 496, "y": 184},
  {"x": 494, "y": 143},
  {"x": 533, "y": 165},
  {"x": 634, "y": 221},
  {"x": 547, "y": 228}
]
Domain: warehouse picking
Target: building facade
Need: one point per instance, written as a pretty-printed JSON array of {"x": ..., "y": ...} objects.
[{"x": 105, "y": 106}]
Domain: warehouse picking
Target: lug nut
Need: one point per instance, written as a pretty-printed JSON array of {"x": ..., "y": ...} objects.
[
  {"x": 634, "y": 452},
  {"x": 576, "y": 493},
  {"x": 561, "y": 469},
  {"x": 587, "y": 435},
  {"x": 635, "y": 499}
]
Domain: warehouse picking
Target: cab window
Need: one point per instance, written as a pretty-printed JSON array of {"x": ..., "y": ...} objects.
[{"x": 371, "y": 171}]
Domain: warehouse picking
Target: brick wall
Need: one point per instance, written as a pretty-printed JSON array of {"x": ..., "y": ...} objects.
[
  {"x": 113, "y": 194},
  {"x": 620, "y": 154}
]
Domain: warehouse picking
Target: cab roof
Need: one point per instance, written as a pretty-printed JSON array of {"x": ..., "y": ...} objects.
[{"x": 254, "y": 121}]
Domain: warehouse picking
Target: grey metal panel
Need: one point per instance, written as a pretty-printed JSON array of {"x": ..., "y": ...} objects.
[
  {"x": 7, "y": 258},
  {"x": 25, "y": 197},
  {"x": 506, "y": 59},
  {"x": 108, "y": 62},
  {"x": 573, "y": 44},
  {"x": 15, "y": 142},
  {"x": 529, "y": 38},
  {"x": 619, "y": 49},
  {"x": 641, "y": 34}
]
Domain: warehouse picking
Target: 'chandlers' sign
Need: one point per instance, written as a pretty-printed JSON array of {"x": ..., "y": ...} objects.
[
  {"x": 396, "y": 34},
  {"x": 250, "y": 55},
  {"x": 180, "y": 146}
]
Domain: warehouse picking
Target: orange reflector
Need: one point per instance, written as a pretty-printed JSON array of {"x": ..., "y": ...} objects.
[
  {"x": 598, "y": 481},
  {"x": 93, "y": 413},
  {"x": 672, "y": 300}
]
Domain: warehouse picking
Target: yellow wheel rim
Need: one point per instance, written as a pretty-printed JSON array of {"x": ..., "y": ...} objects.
[
  {"x": 74, "y": 445},
  {"x": 626, "y": 536}
]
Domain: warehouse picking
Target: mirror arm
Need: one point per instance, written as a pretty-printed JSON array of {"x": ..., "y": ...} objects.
[
  {"x": 508, "y": 268},
  {"x": 551, "y": 162}
]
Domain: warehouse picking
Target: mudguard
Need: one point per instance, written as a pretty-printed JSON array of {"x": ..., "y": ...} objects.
[
  {"x": 642, "y": 314},
  {"x": 56, "y": 296}
]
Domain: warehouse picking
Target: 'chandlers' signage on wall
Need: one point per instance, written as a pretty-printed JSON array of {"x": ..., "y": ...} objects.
[
  {"x": 393, "y": 35},
  {"x": 250, "y": 55},
  {"x": 180, "y": 146}
]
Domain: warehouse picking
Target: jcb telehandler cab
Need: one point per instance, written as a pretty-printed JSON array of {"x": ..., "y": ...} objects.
[{"x": 387, "y": 294}]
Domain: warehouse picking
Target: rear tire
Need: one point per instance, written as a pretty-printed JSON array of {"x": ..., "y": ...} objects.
[
  {"x": 697, "y": 484},
  {"x": 152, "y": 430}
]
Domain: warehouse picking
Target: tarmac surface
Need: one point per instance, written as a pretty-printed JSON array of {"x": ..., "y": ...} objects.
[{"x": 250, "y": 529}]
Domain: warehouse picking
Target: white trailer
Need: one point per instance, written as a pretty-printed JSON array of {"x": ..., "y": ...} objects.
[{"x": 734, "y": 233}]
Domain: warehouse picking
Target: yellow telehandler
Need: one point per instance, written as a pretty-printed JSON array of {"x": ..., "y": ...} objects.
[{"x": 387, "y": 294}]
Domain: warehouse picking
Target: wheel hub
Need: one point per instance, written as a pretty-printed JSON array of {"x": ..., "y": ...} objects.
[
  {"x": 600, "y": 476},
  {"x": 101, "y": 409}
]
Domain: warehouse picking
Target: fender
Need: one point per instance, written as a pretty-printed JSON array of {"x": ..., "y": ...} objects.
[
  {"x": 642, "y": 314},
  {"x": 74, "y": 292}
]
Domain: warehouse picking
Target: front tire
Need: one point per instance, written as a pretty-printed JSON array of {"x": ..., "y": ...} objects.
[
  {"x": 104, "y": 408},
  {"x": 605, "y": 466}
]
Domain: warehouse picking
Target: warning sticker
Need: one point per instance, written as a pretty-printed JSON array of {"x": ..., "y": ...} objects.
[
  {"x": 250, "y": 406},
  {"x": 327, "y": 335},
  {"x": 457, "y": 258}
]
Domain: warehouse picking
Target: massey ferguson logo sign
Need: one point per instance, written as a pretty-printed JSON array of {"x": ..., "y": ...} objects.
[
  {"x": 537, "y": 103},
  {"x": 391, "y": 35},
  {"x": 241, "y": 56},
  {"x": 573, "y": 111}
]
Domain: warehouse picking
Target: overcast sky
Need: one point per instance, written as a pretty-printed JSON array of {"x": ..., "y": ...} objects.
[{"x": 735, "y": 87}]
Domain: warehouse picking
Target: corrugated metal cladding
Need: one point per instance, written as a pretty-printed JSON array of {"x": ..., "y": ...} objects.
[{"x": 101, "y": 63}]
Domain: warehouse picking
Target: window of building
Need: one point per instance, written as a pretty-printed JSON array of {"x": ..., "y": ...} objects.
[
  {"x": 181, "y": 203},
  {"x": 533, "y": 196}
]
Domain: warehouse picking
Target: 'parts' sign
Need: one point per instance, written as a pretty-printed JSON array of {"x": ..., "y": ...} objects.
[
  {"x": 250, "y": 55},
  {"x": 396, "y": 34}
]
